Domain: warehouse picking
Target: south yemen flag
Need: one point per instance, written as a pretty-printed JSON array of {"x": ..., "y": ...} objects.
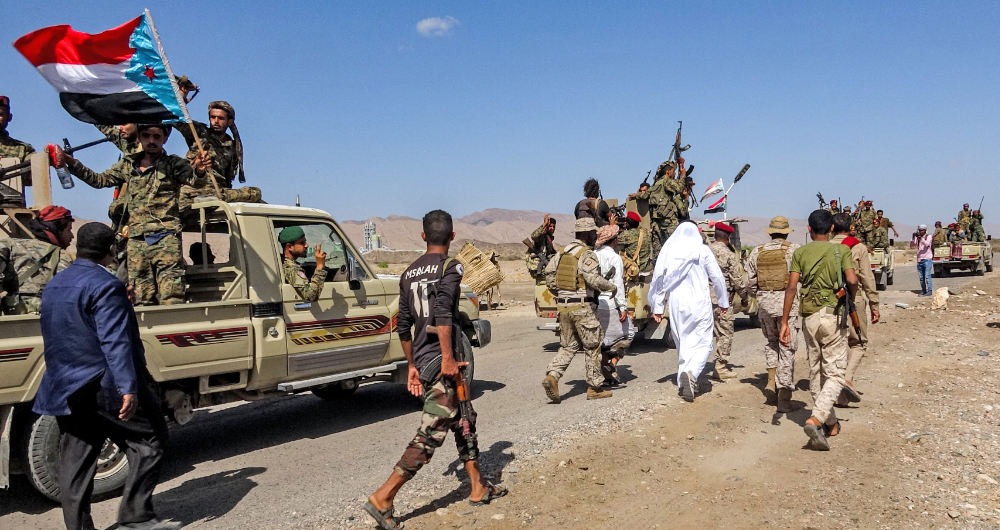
[{"x": 115, "y": 77}]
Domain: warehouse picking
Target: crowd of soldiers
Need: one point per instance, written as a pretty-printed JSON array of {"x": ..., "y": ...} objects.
[{"x": 153, "y": 191}]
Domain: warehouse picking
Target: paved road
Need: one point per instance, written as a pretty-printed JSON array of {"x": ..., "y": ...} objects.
[{"x": 906, "y": 279}]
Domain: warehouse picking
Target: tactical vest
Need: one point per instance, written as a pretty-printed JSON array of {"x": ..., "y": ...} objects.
[
  {"x": 568, "y": 277},
  {"x": 772, "y": 268}
]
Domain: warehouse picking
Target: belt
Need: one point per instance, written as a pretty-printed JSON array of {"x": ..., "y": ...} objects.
[{"x": 586, "y": 300}]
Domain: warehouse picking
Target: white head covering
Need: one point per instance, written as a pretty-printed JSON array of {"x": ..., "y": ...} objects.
[{"x": 681, "y": 252}]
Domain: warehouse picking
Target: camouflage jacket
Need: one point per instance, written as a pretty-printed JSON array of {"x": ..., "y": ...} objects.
[
  {"x": 661, "y": 198},
  {"x": 225, "y": 162},
  {"x": 964, "y": 216},
  {"x": 940, "y": 236},
  {"x": 308, "y": 288},
  {"x": 112, "y": 133},
  {"x": 151, "y": 195},
  {"x": 11, "y": 148},
  {"x": 587, "y": 266},
  {"x": 772, "y": 302},
  {"x": 735, "y": 279},
  {"x": 864, "y": 220},
  {"x": 17, "y": 255},
  {"x": 539, "y": 245},
  {"x": 880, "y": 238},
  {"x": 629, "y": 240}
]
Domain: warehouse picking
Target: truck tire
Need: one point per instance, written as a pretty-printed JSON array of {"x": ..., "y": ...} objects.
[
  {"x": 40, "y": 459},
  {"x": 989, "y": 266},
  {"x": 881, "y": 282},
  {"x": 888, "y": 281},
  {"x": 336, "y": 391},
  {"x": 981, "y": 267}
]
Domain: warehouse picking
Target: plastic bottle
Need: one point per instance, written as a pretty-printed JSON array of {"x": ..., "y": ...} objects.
[{"x": 64, "y": 177}]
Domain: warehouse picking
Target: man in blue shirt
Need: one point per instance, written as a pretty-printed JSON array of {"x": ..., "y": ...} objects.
[{"x": 95, "y": 387}]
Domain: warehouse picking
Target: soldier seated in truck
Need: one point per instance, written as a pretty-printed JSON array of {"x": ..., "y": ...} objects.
[
  {"x": 294, "y": 246},
  {"x": 27, "y": 265}
]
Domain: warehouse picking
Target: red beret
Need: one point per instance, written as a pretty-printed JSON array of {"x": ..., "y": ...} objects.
[
  {"x": 724, "y": 227},
  {"x": 54, "y": 213},
  {"x": 634, "y": 216}
]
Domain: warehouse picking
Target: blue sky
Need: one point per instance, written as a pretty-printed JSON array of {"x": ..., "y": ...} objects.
[{"x": 515, "y": 104}]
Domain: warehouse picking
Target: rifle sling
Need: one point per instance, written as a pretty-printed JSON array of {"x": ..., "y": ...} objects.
[{"x": 53, "y": 258}]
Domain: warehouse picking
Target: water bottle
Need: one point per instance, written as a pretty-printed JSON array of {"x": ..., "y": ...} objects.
[{"x": 64, "y": 177}]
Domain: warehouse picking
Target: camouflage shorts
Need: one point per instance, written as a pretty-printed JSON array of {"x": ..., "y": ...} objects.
[
  {"x": 156, "y": 271},
  {"x": 440, "y": 415}
]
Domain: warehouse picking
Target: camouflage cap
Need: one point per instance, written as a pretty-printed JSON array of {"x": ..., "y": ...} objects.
[
  {"x": 585, "y": 224},
  {"x": 223, "y": 106},
  {"x": 669, "y": 164},
  {"x": 779, "y": 225}
]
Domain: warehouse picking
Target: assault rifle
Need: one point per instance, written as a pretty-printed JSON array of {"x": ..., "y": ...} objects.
[
  {"x": 466, "y": 413},
  {"x": 850, "y": 309},
  {"x": 822, "y": 202},
  {"x": 645, "y": 181},
  {"x": 675, "y": 153}
]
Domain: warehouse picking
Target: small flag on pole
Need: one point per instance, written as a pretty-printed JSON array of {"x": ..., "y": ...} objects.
[
  {"x": 717, "y": 206},
  {"x": 715, "y": 188},
  {"x": 115, "y": 77}
]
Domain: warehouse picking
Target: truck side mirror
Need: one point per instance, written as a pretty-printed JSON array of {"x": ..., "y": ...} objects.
[
  {"x": 353, "y": 283},
  {"x": 989, "y": 238},
  {"x": 892, "y": 242}
]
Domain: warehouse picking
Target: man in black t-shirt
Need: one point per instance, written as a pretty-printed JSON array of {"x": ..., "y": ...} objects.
[{"x": 428, "y": 297}]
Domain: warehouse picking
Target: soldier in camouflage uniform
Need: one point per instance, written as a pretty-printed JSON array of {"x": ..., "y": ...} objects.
[
  {"x": 879, "y": 236},
  {"x": 964, "y": 217},
  {"x": 864, "y": 222},
  {"x": 884, "y": 222},
  {"x": 294, "y": 246},
  {"x": 834, "y": 207},
  {"x": 226, "y": 154},
  {"x": 976, "y": 232},
  {"x": 26, "y": 265},
  {"x": 9, "y": 147},
  {"x": 663, "y": 214},
  {"x": 940, "y": 236},
  {"x": 725, "y": 255},
  {"x": 629, "y": 241},
  {"x": 154, "y": 178},
  {"x": 767, "y": 276},
  {"x": 576, "y": 290},
  {"x": 541, "y": 245}
]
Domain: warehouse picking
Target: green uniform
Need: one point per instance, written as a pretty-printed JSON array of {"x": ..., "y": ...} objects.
[
  {"x": 539, "y": 247},
  {"x": 964, "y": 218},
  {"x": 151, "y": 200},
  {"x": 308, "y": 288},
  {"x": 864, "y": 224},
  {"x": 663, "y": 213},
  {"x": 26, "y": 265},
  {"x": 976, "y": 232},
  {"x": 117, "y": 212},
  {"x": 11, "y": 148},
  {"x": 879, "y": 238},
  {"x": 225, "y": 165},
  {"x": 940, "y": 236},
  {"x": 628, "y": 241}
]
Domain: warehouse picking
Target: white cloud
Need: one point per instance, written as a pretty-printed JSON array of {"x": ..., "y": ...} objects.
[{"x": 436, "y": 26}]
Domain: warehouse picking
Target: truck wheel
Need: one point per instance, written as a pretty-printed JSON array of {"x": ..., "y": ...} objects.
[
  {"x": 754, "y": 320},
  {"x": 880, "y": 282},
  {"x": 40, "y": 460},
  {"x": 888, "y": 281},
  {"x": 336, "y": 391},
  {"x": 989, "y": 266},
  {"x": 981, "y": 267}
]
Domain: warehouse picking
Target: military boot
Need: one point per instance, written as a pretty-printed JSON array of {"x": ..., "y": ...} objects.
[
  {"x": 551, "y": 386},
  {"x": 597, "y": 393},
  {"x": 723, "y": 370},
  {"x": 785, "y": 400},
  {"x": 770, "y": 380}
]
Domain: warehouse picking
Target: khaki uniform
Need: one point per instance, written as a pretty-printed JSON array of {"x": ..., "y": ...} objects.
[
  {"x": 308, "y": 288},
  {"x": 735, "y": 283},
  {"x": 26, "y": 265},
  {"x": 579, "y": 329},
  {"x": 770, "y": 302},
  {"x": 628, "y": 242},
  {"x": 225, "y": 165},
  {"x": 857, "y": 344},
  {"x": 155, "y": 265}
]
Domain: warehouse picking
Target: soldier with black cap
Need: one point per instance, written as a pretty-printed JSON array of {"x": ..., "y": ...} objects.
[
  {"x": 574, "y": 276},
  {"x": 294, "y": 246},
  {"x": 9, "y": 147}
]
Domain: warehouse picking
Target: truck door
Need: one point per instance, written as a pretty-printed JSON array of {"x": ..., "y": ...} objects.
[{"x": 346, "y": 329}]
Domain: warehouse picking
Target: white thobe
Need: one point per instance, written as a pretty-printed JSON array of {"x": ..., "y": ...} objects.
[
  {"x": 607, "y": 307},
  {"x": 682, "y": 271}
]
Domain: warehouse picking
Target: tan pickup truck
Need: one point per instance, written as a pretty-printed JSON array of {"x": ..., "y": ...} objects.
[{"x": 242, "y": 335}]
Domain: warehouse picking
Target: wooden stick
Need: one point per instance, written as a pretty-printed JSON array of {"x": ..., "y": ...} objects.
[{"x": 201, "y": 149}]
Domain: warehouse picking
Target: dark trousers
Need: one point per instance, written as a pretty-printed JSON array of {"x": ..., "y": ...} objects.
[{"x": 83, "y": 433}]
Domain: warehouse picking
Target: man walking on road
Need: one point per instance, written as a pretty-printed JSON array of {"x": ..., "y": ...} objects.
[
  {"x": 924, "y": 244},
  {"x": 767, "y": 277},
  {"x": 430, "y": 289},
  {"x": 95, "y": 385},
  {"x": 725, "y": 256},
  {"x": 822, "y": 268}
]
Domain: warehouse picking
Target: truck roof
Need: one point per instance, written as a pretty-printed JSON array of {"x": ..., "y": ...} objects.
[{"x": 246, "y": 208}]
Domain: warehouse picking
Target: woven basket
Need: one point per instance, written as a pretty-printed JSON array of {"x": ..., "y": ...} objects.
[{"x": 481, "y": 274}]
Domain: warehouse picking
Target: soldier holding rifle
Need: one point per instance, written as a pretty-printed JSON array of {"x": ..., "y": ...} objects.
[{"x": 540, "y": 248}]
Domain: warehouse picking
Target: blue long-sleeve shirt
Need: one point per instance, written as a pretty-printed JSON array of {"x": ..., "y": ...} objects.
[{"x": 90, "y": 331}]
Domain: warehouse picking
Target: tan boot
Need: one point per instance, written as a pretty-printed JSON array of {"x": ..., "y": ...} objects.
[
  {"x": 723, "y": 370},
  {"x": 551, "y": 386},
  {"x": 785, "y": 400},
  {"x": 770, "y": 380},
  {"x": 597, "y": 393}
]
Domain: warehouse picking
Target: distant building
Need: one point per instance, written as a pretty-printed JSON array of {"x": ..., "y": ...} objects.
[{"x": 373, "y": 241}]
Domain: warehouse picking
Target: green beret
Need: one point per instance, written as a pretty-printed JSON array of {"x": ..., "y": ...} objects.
[{"x": 291, "y": 235}]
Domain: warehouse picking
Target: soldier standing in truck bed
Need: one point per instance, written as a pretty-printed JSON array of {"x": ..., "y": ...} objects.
[
  {"x": 9, "y": 147},
  {"x": 27, "y": 265},
  {"x": 541, "y": 245},
  {"x": 663, "y": 214},
  {"x": 635, "y": 241},
  {"x": 976, "y": 232}
]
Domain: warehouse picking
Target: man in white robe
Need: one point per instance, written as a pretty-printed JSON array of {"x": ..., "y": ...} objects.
[
  {"x": 612, "y": 311},
  {"x": 682, "y": 271}
]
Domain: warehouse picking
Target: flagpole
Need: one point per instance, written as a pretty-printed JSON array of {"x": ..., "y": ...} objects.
[{"x": 180, "y": 98}]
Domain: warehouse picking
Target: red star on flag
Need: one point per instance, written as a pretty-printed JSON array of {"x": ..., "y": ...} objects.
[{"x": 149, "y": 72}]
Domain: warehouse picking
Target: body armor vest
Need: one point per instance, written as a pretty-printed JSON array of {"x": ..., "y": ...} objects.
[
  {"x": 568, "y": 277},
  {"x": 772, "y": 268}
]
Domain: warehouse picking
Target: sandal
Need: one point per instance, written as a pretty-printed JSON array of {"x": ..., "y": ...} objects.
[
  {"x": 817, "y": 440},
  {"x": 382, "y": 517},
  {"x": 851, "y": 394},
  {"x": 492, "y": 492},
  {"x": 828, "y": 428}
]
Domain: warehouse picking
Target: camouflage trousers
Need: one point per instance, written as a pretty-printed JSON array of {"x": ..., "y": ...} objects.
[
  {"x": 723, "y": 333},
  {"x": 156, "y": 272},
  {"x": 857, "y": 345},
  {"x": 826, "y": 342},
  {"x": 21, "y": 304},
  {"x": 867, "y": 238},
  {"x": 659, "y": 230},
  {"x": 776, "y": 355},
  {"x": 189, "y": 193},
  {"x": 441, "y": 414},
  {"x": 579, "y": 332}
]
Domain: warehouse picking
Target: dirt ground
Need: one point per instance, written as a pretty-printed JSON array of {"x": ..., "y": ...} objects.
[{"x": 919, "y": 451}]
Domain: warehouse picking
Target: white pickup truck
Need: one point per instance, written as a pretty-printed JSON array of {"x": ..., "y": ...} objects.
[{"x": 976, "y": 258}]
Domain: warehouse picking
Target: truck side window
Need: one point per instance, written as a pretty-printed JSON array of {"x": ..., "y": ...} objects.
[{"x": 338, "y": 255}]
